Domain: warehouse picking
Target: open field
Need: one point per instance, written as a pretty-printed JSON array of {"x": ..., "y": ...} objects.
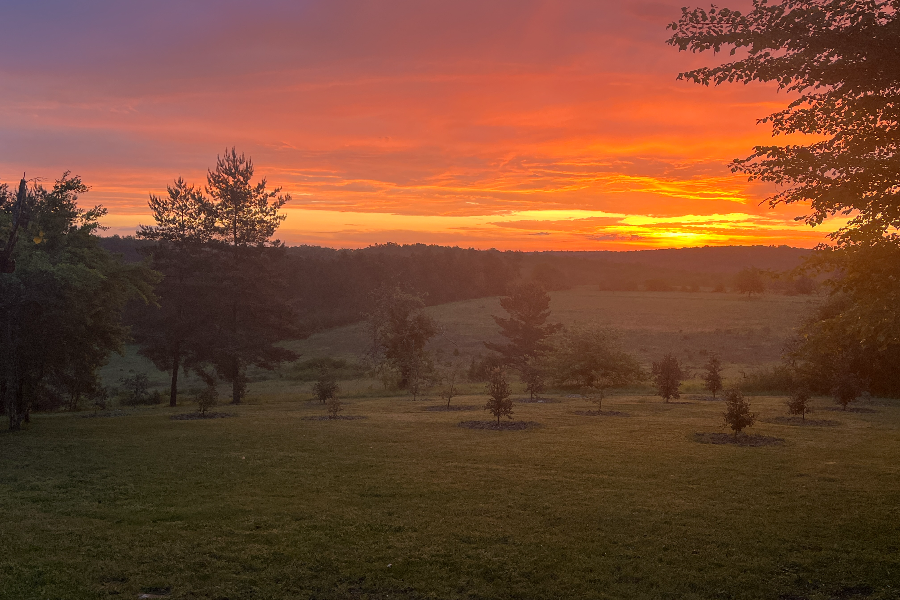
[
  {"x": 746, "y": 332},
  {"x": 405, "y": 504}
]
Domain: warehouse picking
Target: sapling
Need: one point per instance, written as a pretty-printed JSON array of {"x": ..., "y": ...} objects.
[
  {"x": 798, "y": 402},
  {"x": 499, "y": 402},
  {"x": 737, "y": 411}
]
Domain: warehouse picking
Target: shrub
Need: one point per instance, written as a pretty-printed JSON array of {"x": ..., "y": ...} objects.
[
  {"x": 207, "y": 398},
  {"x": 586, "y": 357},
  {"x": 737, "y": 411},
  {"x": 334, "y": 406},
  {"x": 136, "y": 391},
  {"x": 499, "y": 402},
  {"x": 326, "y": 387},
  {"x": 667, "y": 376},
  {"x": 712, "y": 376},
  {"x": 846, "y": 388},
  {"x": 798, "y": 402}
]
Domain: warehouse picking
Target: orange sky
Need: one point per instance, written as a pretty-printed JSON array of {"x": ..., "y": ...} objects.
[{"x": 509, "y": 124}]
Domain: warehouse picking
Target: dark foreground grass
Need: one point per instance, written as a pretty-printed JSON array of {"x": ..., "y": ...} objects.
[{"x": 406, "y": 504}]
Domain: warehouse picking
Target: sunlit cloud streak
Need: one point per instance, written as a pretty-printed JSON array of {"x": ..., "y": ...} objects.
[{"x": 412, "y": 121}]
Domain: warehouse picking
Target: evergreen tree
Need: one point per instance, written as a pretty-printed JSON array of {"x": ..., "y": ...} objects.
[
  {"x": 526, "y": 329},
  {"x": 667, "y": 376},
  {"x": 712, "y": 376}
]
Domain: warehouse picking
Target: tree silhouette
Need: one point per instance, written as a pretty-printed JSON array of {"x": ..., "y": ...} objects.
[
  {"x": 526, "y": 330},
  {"x": 667, "y": 376}
]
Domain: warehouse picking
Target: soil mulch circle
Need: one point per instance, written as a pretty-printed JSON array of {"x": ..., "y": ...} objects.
[
  {"x": 452, "y": 407},
  {"x": 851, "y": 409},
  {"x": 196, "y": 416},
  {"x": 337, "y": 418},
  {"x": 536, "y": 400},
  {"x": 798, "y": 421},
  {"x": 601, "y": 413},
  {"x": 751, "y": 439},
  {"x": 504, "y": 425}
]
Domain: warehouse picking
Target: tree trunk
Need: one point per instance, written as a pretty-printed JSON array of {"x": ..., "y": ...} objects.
[{"x": 173, "y": 389}]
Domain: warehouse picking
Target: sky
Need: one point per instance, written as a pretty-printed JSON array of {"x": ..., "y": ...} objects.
[{"x": 509, "y": 124}]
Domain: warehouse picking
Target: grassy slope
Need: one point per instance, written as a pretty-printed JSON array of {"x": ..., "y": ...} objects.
[{"x": 406, "y": 504}]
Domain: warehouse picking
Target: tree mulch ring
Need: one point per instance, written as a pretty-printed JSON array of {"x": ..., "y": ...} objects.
[
  {"x": 196, "y": 416},
  {"x": 744, "y": 439},
  {"x": 601, "y": 413},
  {"x": 795, "y": 420},
  {"x": 452, "y": 407},
  {"x": 337, "y": 418},
  {"x": 851, "y": 409},
  {"x": 537, "y": 400},
  {"x": 504, "y": 425},
  {"x": 105, "y": 414}
]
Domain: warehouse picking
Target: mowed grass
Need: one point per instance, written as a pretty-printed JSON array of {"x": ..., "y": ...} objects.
[{"x": 406, "y": 504}]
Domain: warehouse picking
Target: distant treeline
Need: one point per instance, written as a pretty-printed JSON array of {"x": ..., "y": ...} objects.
[{"x": 330, "y": 287}]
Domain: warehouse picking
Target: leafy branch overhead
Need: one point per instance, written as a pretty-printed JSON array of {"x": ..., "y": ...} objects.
[{"x": 840, "y": 58}]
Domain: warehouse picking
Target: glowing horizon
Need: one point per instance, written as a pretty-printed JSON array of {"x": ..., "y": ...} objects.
[{"x": 515, "y": 125}]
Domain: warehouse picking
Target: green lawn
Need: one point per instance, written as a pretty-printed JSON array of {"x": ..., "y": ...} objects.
[{"x": 405, "y": 504}]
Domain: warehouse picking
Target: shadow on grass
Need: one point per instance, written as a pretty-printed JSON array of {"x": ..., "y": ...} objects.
[
  {"x": 503, "y": 426},
  {"x": 799, "y": 422},
  {"x": 601, "y": 413},
  {"x": 452, "y": 407},
  {"x": 743, "y": 439}
]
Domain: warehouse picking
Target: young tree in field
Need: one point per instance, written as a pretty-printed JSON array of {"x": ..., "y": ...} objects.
[
  {"x": 167, "y": 333},
  {"x": 533, "y": 377},
  {"x": 451, "y": 374},
  {"x": 712, "y": 375},
  {"x": 526, "y": 330},
  {"x": 798, "y": 402},
  {"x": 591, "y": 357},
  {"x": 749, "y": 281},
  {"x": 737, "y": 412},
  {"x": 326, "y": 387},
  {"x": 334, "y": 406},
  {"x": 837, "y": 60},
  {"x": 499, "y": 403},
  {"x": 400, "y": 331},
  {"x": 253, "y": 309},
  {"x": 667, "y": 376},
  {"x": 845, "y": 388},
  {"x": 61, "y": 304}
]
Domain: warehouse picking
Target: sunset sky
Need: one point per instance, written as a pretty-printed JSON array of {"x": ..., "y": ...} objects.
[{"x": 512, "y": 124}]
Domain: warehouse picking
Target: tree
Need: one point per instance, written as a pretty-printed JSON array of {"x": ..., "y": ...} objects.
[
  {"x": 667, "y": 376},
  {"x": 167, "y": 333},
  {"x": 499, "y": 403},
  {"x": 400, "y": 332},
  {"x": 451, "y": 375},
  {"x": 61, "y": 306},
  {"x": 798, "y": 402},
  {"x": 846, "y": 387},
  {"x": 526, "y": 330},
  {"x": 839, "y": 58},
  {"x": 737, "y": 412},
  {"x": 591, "y": 357},
  {"x": 253, "y": 310},
  {"x": 532, "y": 373},
  {"x": 326, "y": 386},
  {"x": 749, "y": 281},
  {"x": 712, "y": 376}
]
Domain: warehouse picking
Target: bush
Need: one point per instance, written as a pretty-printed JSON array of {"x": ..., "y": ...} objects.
[
  {"x": 777, "y": 380},
  {"x": 591, "y": 357},
  {"x": 207, "y": 398},
  {"x": 798, "y": 403},
  {"x": 334, "y": 406},
  {"x": 846, "y": 388},
  {"x": 712, "y": 376},
  {"x": 326, "y": 388},
  {"x": 737, "y": 411},
  {"x": 311, "y": 368},
  {"x": 136, "y": 391},
  {"x": 667, "y": 376}
]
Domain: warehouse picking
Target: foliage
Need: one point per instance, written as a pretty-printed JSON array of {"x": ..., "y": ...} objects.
[
  {"x": 326, "y": 387},
  {"x": 480, "y": 367},
  {"x": 749, "y": 281},
  {"x": 775, "y": 379},
  {"x": 533, "y": 376},
  {"x": 208, "y": 397},
  {"x": 334, "y": 406},
  {"x": 591, "y": 357},
  {"x": 399, "y": 332},
  {"x": 61, "y": 307},
  {"x": 712, "y": 375},
  {"x": 798, "y": 402},
  {"x": 667, "y": 376},
  {"x": 136, "y": 391},
  {"x": 846, "y": 388},
  {"x": 526, "y": 330},
  {"x": 499, "y": 403},
  {"x": 838, "y": 57},
  {"x": 737, "y": 411},
  {"x": 310, "y": 368}
]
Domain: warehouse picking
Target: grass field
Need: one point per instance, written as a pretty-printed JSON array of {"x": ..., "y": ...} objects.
[{"x": 406, "y": 504}]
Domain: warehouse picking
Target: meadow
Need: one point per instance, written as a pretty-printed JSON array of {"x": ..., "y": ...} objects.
[{"x": 274, "y": 501}]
